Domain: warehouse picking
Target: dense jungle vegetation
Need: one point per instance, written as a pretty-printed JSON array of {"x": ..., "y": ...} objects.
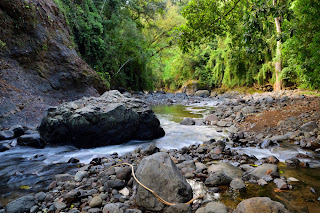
[{"x": 148, "y": 44}]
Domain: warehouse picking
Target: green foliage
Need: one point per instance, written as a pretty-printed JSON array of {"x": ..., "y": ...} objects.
[
  {"x": 141, "y": 44},
  {"x": 265, "y": 74},
  {"x": 301, "y": 50},
  {"x": 2, "y": 44},
  {"x": 108, "y": 33}
]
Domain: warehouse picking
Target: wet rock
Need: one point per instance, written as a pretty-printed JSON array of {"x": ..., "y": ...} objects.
[
  {"x": 80, "y": 175},
  {"x": 179, "y": 208},
  {"x": 226, "y": 168},
  {"x": 248, "y": 109},
  {"x": 124, "y": 192},
  {"x": 159, "y": 173},
  {"x": 202, "y": 149},
  {"x": 74, "y": 210},
  {"x": 6, "y": 135},
  {"x": 237, "y": 184},
  {"x": 123, "y": 173},
  {"x": 40, "y": 196},
  {"x": 111, "y": 171},
  {"x": 293, "y": 162},
  {"x": 313, "y": 190},
  {"x": 21, "y": 205},
  {"x": 223, "y": 123},
  {"x": 217, "y": 178},
  {"x": 272, "y": 159},
  {"x": 215, "y": 207},
  {"x": 309, "y": 127},
  {"x": 151, "y": 149},
  {"x": 96, "y": 161},
  {"x": 211, "y": 119},
  {"x": 267, "y": 143},
  {"x": 100, "y": 121},
  {"x": 262, "y": 204},
  {"x": 4, "y": 147},
  {"x": 95, "y": 202},
  {"x": 292, "y": 179},
  {"x": 18, "y": 130},
  {"x": 94, "y": 210},
  {"x": 188, "y": 121},
  {"x": 187, "y": 164},
  {"x": 32, "y": 140},
  {"x": 200, "y": 166},
  {"x": 235, "y": 137},
  {"x": 280, "y": 138},
  {"x": 267, "y": 178},
  {"x": 114, "y": 184},
  {"x": 233, "y": 129},
  {"x": 239, "y": 116},
  {"x": 73, "y": 160},
  {"x": 202, "y": 93},
  {"x": 59, "y": 205},
  {"x": 246, "y": 167},
  {"x": 34, "y": 209},
  {"x": 281, "y": 184},
  {"x": 64, "y": 177},
  {"x": 133, "y": 211},
  {"x": 189, "y": 175},
  {"x": 72, "y": 196},
  {"x": 115, "y": 208},
  {"x": 200, "y": 210},
  {"x": 262, "y": 182},
  {"x": 260, "y": 171}
]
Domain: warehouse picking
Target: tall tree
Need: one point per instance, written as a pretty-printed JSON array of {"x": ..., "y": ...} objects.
[
  {"x": 278, "y": 59},
  {"x": 207, "y": 19}
]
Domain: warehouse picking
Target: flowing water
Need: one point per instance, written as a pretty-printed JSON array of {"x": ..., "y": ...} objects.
[{"x": 24, "y": 170}]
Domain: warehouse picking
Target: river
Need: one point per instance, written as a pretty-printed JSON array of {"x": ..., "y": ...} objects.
[{"x": 24, "y": 170}]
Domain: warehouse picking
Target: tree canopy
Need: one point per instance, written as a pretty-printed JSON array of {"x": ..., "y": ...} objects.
[{"x": 140, "y": 44}]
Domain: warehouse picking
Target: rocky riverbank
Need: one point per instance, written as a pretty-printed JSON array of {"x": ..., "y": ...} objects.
[
  {"x": 94, "y": 188},
  {"x": 263, "y": 119},
  {"x": 214, "y": 169}
]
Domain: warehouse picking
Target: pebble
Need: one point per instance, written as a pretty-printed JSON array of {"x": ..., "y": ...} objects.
[
  {"x": 59, "y": 205},
  {"x": 281, "y": 184},
  {"x": 95, "y": 202},
  {"x": 262, "y": 182},
  {"x": 125, "y": 191},
  {"x": 237, "y": 184},
  {"x": 292, "y": 179},
  {"x": 63, "y": 177}
]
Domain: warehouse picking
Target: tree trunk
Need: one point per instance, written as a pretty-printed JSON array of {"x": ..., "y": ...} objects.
[{"x": 278, "y": 61}]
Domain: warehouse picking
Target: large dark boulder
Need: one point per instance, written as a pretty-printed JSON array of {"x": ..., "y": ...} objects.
[
  {"x": 39, "y": 65},
  {"x": 100, "y": 121},
  {"x": 159, "y": 173}
]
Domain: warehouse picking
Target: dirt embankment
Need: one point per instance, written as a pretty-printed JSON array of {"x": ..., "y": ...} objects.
[
  {"x": 284, "y": 117},
  {"x": 38, "y": 63}
]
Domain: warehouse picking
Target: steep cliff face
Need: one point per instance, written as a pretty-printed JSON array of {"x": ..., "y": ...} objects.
[{"x": 38, "y": 63}]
